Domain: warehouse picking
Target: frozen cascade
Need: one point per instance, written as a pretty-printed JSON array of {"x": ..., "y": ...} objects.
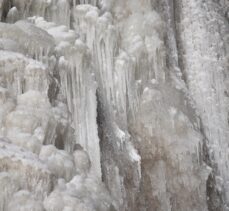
[{"x": 112, "y": 105}]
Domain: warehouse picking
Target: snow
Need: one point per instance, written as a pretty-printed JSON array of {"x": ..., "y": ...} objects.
[
  {"x": 59, "y": 162},
  {"x": 24, "y": 201}
]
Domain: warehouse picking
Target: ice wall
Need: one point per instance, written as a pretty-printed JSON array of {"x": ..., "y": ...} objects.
[
  {"x": 207, "y": 80},
  {"x": 114, "y": 105}
]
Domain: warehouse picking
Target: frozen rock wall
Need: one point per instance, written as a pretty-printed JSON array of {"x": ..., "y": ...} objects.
[{"x": 112, "y": 105}]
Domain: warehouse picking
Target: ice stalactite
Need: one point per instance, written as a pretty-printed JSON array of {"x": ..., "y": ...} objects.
[
  {"x": 79, "y": 89},
  {"x": 13, "y": 15},
  {"x": 19, "y": 77},
  {"x": 59, "y": 12}
]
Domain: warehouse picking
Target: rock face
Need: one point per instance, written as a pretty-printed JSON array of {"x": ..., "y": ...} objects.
[{"x": 113, "y": 105}]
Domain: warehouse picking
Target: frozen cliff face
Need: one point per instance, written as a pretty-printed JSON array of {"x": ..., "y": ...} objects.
[{"x": 113, "y": 105}]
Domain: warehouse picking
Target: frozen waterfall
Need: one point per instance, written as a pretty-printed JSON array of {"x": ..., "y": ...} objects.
[{"x": 114, "y": 105}]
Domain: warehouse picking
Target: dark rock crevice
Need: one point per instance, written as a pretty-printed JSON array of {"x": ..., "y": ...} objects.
[{"x": 214, "y": 195}]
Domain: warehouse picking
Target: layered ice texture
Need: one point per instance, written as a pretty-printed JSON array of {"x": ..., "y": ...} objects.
[{"x": 114, "y": 105}]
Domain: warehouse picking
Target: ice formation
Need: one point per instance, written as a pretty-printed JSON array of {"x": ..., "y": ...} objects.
[{"x": 114, "y": 105}]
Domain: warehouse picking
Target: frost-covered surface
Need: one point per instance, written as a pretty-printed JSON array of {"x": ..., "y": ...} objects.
[{"x": 114, "y": 105}]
